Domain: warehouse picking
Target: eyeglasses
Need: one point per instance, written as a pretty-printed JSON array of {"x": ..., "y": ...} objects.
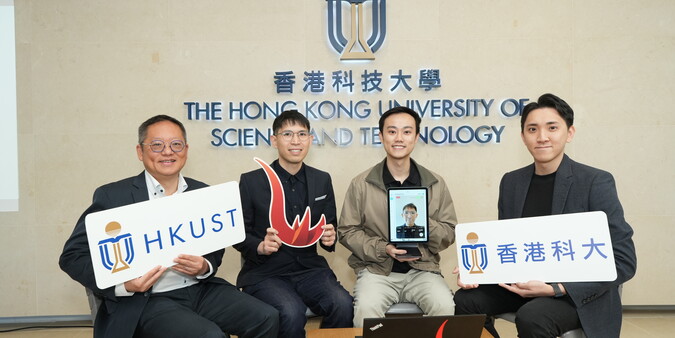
[
  {"x": 410, "y": 212},
  {"x": 287, "y": 135},
  {"x": 158, "y": 146}
]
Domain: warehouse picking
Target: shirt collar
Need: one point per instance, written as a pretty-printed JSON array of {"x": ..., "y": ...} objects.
[
  {"x": 285, "y": 175},
  {"x": 413, "y": 178},
  {"x": 155, "y": 190}
]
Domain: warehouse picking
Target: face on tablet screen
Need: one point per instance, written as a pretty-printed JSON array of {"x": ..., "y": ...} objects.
[{"x": 409, "y": 214}]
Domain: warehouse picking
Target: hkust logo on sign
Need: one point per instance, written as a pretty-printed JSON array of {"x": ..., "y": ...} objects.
[
  {"x": 125, "y": 242},
  {"x": 116, "y": 261},
  {"x": 356, "y": 47},
  {"x": 474, "y": 255}
]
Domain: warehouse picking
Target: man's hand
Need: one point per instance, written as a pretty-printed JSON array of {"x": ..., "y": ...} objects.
[
  {"x": 459, "y": 281},
  {"x": 392, "y": 251},
  {"x": 191, "y": 265},
  {"x": 270, "y": 244},
  {"x": 145, "y": 282},
  {"x": 328, "y": 237},
  {"x": 531, "y": 289}
]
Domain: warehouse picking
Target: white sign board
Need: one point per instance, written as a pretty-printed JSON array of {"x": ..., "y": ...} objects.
[
  {"x": 128, "y": 241},
  {"x": 560, "y": 248}
]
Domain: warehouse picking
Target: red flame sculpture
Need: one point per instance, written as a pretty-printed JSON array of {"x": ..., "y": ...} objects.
[{"x": 299, "y": 235}]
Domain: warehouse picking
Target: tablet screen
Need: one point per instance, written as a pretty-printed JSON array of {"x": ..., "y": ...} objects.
[{"x": 408, "y": 217}]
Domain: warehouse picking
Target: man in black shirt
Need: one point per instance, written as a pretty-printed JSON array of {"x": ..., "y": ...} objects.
[
  {"x": 291, "y": 278},
  {"x": 383, "y": 276},
  {"x": 554, "y": 184}
]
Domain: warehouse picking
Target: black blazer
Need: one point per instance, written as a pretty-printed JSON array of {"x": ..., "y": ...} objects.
[
  {"x": 255, "y": 201},
  {"x": 117, "y": 317},
  {"x": 580, "y": 188}
]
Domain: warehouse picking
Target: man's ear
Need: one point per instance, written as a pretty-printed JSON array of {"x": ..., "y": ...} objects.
[
  {"x": 570, "y": 133},
  {"x": 139, "y": 152}
]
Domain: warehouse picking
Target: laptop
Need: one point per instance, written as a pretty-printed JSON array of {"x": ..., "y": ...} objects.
[
  {"x": 459, "y": 326},
  {"x": 408, "y": 219}
]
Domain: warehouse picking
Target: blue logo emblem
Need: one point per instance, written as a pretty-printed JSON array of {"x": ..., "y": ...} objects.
[
  {"x": 356, "y": 35},
  {"x": 474, "y": 256},
  {"x": 117, "y": 261}
]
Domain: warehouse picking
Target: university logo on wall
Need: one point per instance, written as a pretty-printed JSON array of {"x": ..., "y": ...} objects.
[{"x": 355, "y": 46}]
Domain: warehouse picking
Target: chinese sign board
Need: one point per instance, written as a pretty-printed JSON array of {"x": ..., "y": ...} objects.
[{"x": 560, "y": 248}]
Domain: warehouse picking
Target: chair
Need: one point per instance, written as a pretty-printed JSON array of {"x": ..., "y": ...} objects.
[
  {"x": 94, "y": 303},
  {"x": 576, "y": 333},
  {"x": 310, "y": 314},
  {"x": 403, "y": 310}
]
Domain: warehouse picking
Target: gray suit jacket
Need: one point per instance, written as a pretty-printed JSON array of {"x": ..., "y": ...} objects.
[{"x": 580, "y": 188}]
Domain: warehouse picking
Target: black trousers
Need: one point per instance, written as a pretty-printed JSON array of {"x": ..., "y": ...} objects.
[
  {"x": 207, "y": 310},
  {"x": 317, "y": 289},
  {"x": 535, "y": 317}
]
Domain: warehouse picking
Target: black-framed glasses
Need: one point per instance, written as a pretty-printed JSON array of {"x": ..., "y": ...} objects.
[
  {"x": 158, "y": 146},
  {"x": 287, "y": 135}
]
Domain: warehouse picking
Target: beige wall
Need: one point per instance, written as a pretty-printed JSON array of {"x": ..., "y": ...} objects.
[{"x": 90, "y": 71}]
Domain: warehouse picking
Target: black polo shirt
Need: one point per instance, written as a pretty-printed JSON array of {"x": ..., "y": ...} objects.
[{"x": 295, "y": 190}]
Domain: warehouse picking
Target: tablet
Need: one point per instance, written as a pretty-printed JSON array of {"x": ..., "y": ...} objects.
[{"x": 408, "y": 218}]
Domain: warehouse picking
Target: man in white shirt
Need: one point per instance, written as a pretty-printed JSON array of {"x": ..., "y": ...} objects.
[{"x": 186, "y": 300}]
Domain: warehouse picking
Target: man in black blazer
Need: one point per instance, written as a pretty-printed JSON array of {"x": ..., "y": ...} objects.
[
  {"x": 186, "y": 300},
  {"x": 291, "y": 279},
  {"x": 552, "y": 185}
]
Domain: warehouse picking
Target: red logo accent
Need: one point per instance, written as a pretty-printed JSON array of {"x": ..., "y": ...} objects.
[
  {"x": 299, "y": 235},
  {"x": 439, "y": 333}
]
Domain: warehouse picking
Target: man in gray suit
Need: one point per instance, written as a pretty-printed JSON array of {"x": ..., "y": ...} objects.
[{"x": 554, "y": 184}]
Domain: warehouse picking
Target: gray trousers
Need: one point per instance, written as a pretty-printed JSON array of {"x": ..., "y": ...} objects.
[{"x": 374, "y": 294}]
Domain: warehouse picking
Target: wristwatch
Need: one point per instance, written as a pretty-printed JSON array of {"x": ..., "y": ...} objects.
[{"x": 556, "y": 290}]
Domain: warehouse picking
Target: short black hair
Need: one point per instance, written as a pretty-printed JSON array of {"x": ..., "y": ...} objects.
[
  {"x": 290, "y": 117},
  {"x": 549, "y": 101},
  {"x": 399, "y": 110},
  {"x": 143, "y": 128},
  {"x": 409, "y": 206}
]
